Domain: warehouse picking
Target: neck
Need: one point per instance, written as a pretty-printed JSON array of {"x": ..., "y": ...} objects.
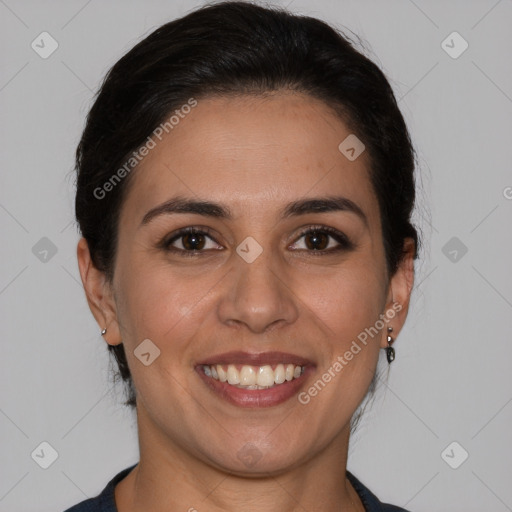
[{"x": 170, "y": 478}]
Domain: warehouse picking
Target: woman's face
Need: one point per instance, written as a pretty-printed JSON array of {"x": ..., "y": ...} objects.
[{"x": 253, "y": 285}]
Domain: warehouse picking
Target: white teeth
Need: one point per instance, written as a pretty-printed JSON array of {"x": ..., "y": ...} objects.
[
  {"x": 279, "y": 374},
  {"x": 266, "y": 376},
  {"x": 233, "y": 375},
  {"x": 223, "y": 377},
  {"x": 254, "y": 377},
  {"x": 248, "y": 376}
]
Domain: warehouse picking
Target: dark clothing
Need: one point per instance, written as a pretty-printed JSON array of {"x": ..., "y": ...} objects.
[{"x": 104, "y": 502}]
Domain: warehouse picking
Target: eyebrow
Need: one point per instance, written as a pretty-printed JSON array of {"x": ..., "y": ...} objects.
[{"x": 182, "y": 204}]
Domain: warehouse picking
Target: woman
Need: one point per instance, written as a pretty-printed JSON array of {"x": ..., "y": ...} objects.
[{"x": 245, "y": 187}]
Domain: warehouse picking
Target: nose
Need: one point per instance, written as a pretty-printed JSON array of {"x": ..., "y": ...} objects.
[{"x": 257, "y": 295}]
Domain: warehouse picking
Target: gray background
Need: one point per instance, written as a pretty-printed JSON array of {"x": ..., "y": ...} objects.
[{"x": 451, "y": 380}]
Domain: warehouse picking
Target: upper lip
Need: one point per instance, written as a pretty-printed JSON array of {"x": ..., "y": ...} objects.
[{"x": 256, "y": 359}]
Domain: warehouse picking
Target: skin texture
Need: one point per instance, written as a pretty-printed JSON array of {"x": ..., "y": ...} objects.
[{"x": 254, "y": 154}]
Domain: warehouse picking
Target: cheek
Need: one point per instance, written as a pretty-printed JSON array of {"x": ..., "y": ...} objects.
[
  {"x": 160, "y": 306},
  {"x": 349, "y": 300},
  {"x": 161, "y": 303},
  {"x": 349, "y": 304},
  {"x": 347, "y": 308}
]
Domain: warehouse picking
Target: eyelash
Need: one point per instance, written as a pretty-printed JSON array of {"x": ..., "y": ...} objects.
[{"x": 342, "y": 239}]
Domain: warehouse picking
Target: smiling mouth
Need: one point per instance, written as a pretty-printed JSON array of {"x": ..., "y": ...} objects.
[{"x": 253, "y": 377}]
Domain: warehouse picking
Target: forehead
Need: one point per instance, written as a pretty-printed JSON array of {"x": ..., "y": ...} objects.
[{"x": 254, "y": 154}]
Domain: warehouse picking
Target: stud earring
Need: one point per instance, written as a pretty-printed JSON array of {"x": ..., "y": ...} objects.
[
  {"x": 104, "y": 331},
  {"x": 390, "y": 351}
]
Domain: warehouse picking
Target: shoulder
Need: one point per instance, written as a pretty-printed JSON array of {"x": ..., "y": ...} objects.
[
  {"x": 370, "y": 501},
  {"x": 105, "y": 501}
]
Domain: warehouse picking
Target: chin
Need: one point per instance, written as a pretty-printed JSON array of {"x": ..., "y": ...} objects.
[{"x": 252, "y": 461}]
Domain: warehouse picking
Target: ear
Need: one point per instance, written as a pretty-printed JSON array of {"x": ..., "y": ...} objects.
[
  {"x": 99, "y": 294},
  {"x": 399, "y": 293}
]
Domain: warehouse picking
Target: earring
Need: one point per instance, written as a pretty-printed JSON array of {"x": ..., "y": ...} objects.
[
  {"x": 104, "y": 331},
  {"x": 390, "y": 351}
]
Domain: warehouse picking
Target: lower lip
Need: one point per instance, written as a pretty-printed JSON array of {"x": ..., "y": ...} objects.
[{"x": 256, "y": 398}]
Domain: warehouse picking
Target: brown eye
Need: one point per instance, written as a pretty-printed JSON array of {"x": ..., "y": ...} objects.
[
  {"x": 193, "y": 241},
  {"x": 318, "y": 239},
  {"x": 189, "y": 242}
]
